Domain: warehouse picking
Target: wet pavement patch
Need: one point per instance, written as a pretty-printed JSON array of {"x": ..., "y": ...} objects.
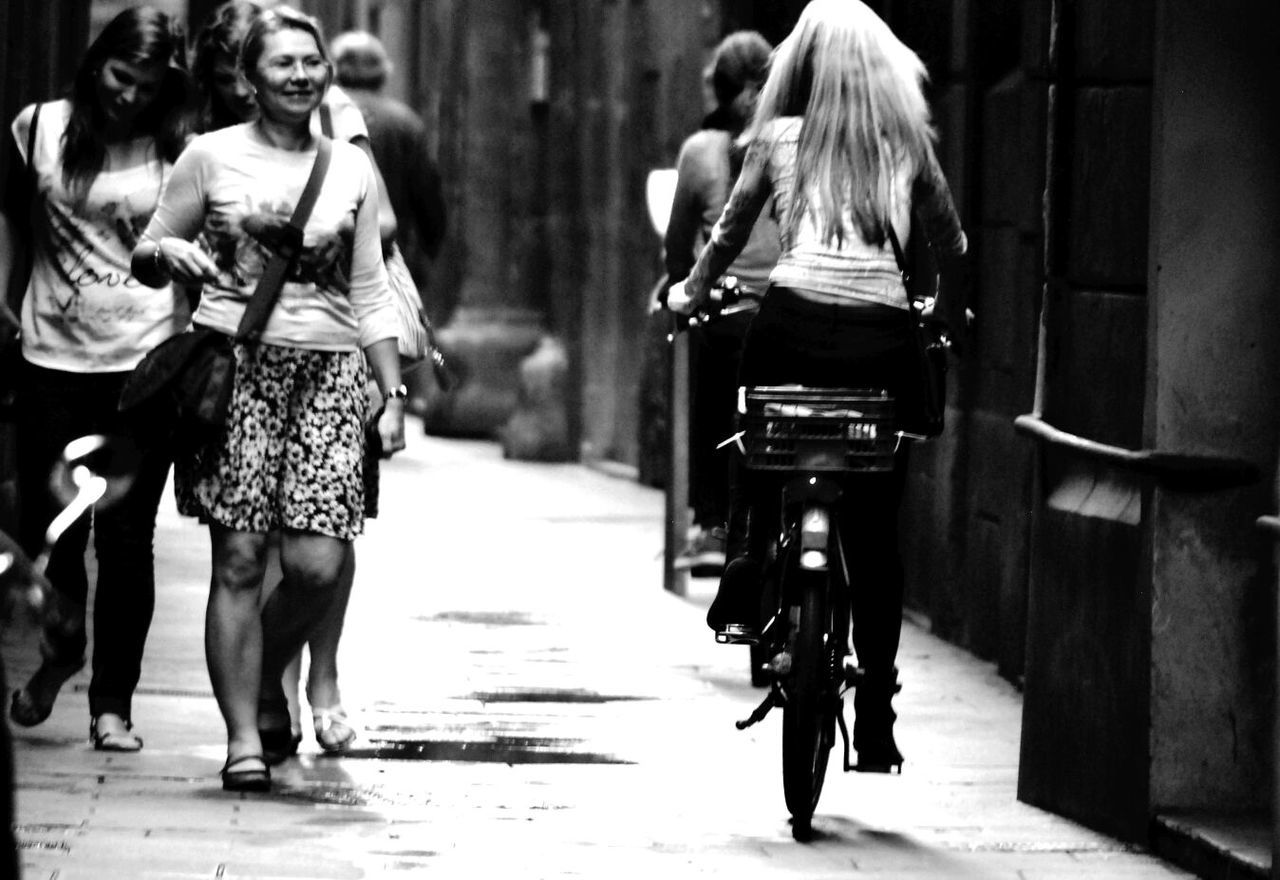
[
  {"x": 500, "y": 750},
  {"x": 549, "y": 695}
]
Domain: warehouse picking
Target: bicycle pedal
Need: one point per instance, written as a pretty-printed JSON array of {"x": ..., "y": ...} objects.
[{"x": 736, "y": 634}]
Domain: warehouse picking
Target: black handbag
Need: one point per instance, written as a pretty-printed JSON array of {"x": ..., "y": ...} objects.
[
  {"x": 925, "y": 415},
  {"x": 186, "y": 381}
]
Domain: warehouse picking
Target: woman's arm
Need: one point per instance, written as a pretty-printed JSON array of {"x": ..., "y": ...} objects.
[
  {"x": 166, "y": 252},
  {"x": 931, "y": 197},
  {"x": 375, "y": 312},
  {"x": 686, "y": 215},
  {"x": 10, "y": 326},
  {"x": 384, "y": 359}
]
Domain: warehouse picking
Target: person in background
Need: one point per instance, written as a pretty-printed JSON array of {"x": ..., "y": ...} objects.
[
  {"x": 707, "y": 167},
  {"x": 290, "y": 459},
  {"x": 843, "y": 143},
  {"x": 401, "y": 148},
  {"x": 227, "y": 98},
  {"x": 101, "y": 157}
]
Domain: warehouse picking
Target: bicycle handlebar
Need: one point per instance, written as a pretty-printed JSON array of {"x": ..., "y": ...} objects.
[{"x": 727, "y": 297}]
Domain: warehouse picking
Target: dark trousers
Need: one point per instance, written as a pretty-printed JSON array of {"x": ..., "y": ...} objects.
[
  {"x": 54, "y": 408},
  {"x": 793, "y": 340},
  {"x": 717, "y": 354}
]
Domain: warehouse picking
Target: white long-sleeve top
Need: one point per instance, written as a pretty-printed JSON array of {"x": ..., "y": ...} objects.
[{"x": 238, "y": 192}]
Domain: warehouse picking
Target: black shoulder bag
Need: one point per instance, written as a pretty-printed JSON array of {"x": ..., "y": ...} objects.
[
  {"x": 186, "y": 381},
  {"x": 925, "y": 416}
]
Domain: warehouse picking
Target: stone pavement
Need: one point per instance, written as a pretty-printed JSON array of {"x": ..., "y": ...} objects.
[{"x": 532, "y": 704}]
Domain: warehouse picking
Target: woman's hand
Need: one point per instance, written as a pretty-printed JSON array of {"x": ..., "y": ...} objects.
[
  {"x": 391, "y": 427},
  {"x": 185, "y": 261},
  {"x": 678, "y": 299}
]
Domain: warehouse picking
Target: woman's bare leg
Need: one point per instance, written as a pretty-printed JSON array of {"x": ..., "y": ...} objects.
[
  {"x": 322, "y": 674},
  {"x": 233, "y": 634}
]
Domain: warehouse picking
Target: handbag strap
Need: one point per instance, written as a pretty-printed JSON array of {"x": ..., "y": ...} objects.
[
  {"x": 269, "y": 285},
  {"x": 899, "y": 257}
]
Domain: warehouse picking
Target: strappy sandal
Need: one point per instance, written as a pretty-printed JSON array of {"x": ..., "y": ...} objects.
[
  {"x": 334, "y": 732},
  {"x": 111, "y": 733},
  {"x": 246, "y": 773}
]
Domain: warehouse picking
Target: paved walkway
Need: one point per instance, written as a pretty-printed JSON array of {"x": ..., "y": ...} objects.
[{"x": 532, "y": 705}]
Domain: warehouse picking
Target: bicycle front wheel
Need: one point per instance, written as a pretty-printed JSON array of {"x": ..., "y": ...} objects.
[{"x": 808, "y": 717}]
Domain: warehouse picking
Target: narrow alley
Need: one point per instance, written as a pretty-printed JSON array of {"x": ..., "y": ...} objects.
[{"x": 531, "y": 704}]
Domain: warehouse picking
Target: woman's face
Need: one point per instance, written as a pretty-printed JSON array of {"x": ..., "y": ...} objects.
[
  {"x": 125, "y": 89},
  {"x": 233, "y": 90},
  {"x": 291, "y": 76}
]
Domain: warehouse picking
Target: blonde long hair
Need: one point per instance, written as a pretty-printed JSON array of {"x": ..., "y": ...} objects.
[{"x": 860, "y": 92}]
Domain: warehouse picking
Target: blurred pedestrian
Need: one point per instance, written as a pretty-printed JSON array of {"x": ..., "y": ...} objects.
[
  {"x": 401, "y": 147},
  {"x": 100, "y": 157},
  {"x": 289, "y": 460},
  {"x": 707, "y": 167},
  {"x": 842, "y": 141}
]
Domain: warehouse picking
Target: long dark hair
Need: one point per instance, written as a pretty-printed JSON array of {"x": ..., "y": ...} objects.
[
  {"x": 220, "y": 37},
  {"x": 139, "y": 35}
]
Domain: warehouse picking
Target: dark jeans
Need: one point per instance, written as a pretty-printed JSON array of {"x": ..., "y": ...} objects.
[
  {"x": 54, "y": 408},
  {"x": 793, "y": 340},
  {"x": 717, "y": 350}
]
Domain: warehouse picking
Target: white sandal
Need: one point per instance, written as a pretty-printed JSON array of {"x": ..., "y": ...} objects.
[
  {"x": 334, "y": 732},
  {"x": 111, "y": 733}
]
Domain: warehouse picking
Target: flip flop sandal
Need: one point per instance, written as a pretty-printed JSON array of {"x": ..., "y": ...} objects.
[
  {"x": 334, "y": 732},
  {"x": 246, "y": 773},
  {"x": 114, "y": 735}
]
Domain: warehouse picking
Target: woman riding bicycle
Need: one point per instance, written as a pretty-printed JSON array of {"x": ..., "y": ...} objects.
[{"x": 842, "y": 141}]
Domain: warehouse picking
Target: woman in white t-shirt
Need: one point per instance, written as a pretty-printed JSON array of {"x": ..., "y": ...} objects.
[
  {"x": 100, "y": 158},
  {"x": 225, "y": 98},
  {"x": 289, "y": 459}
]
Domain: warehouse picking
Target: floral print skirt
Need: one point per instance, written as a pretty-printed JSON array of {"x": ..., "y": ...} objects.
[{"x": 293, "y": 454}]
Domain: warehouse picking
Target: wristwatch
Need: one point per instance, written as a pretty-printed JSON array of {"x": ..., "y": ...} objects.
[{"x": 400, "y": 392}]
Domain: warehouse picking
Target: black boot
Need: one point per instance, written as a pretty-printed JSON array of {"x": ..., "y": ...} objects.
[
  {"x": 873, "y": 722},
  {"x": 735, "y": 612}
]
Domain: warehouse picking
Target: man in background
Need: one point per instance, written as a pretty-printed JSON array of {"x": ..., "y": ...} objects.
[{"x": 400, "y": 146}]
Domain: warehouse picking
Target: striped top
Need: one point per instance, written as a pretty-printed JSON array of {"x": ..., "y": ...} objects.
[{"x": 853, "y": 269}]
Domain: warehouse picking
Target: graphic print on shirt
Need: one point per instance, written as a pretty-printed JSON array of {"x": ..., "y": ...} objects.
[
  {"x": 87, "y": 246},
  {"x": 241, "y": 246}
]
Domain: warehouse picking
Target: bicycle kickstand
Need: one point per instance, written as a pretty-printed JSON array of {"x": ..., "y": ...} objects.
[{"x": 760, "y": 711}]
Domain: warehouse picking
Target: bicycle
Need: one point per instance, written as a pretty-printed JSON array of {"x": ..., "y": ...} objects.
[{"x": 818, "y": 440}]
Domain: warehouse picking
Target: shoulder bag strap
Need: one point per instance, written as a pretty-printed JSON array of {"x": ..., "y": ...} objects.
[
  {"x": 272, "y": 280},
  {"x": 326, "y": 120},
  {"x": 899, "y": 257}
]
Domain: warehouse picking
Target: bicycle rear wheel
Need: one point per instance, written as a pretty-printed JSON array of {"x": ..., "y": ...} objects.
[{"x": 808, "y": 717}]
